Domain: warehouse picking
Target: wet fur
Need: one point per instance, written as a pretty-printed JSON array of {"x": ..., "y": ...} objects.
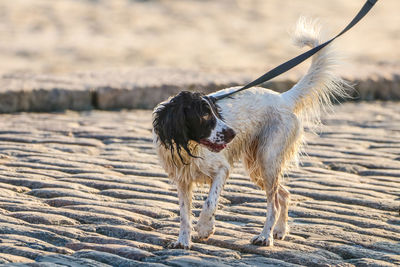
[{"x": 269, "y": 135}]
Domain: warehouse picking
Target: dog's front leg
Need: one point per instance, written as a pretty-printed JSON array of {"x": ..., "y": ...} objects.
[
  {"x": 185, "y": 203},
  {"x": 205, "y": 224}
]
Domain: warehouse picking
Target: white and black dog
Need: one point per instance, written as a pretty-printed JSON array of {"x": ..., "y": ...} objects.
[{"x": 199, "y": 139}]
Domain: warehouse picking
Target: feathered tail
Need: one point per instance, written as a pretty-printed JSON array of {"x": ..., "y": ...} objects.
[{"x": 316, "y": 90}]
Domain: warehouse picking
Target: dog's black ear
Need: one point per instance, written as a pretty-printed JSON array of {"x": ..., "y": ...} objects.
[{"x": 169, "y": 124}]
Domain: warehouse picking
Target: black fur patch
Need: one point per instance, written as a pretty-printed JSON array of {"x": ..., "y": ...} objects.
[{"x": 187, "y": 116}]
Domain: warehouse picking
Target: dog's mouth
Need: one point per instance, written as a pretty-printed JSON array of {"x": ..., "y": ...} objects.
[{"x": 212, "y": 146}]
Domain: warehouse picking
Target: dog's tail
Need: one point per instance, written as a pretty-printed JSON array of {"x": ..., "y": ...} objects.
[{"x": 316, "y": 90}]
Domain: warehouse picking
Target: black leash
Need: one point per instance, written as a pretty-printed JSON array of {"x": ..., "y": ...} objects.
[{"x": 299, "y": 59}]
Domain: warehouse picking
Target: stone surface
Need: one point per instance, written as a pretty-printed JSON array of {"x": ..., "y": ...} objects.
[
  {"x": 144, "y": 88},
  {"x": 85, "y": 189}
]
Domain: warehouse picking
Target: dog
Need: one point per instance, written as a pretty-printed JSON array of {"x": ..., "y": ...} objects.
[{"x": 198, "y": 139}]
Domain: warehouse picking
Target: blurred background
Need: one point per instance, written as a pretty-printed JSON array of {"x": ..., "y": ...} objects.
[{"x": 63, "y": 36}]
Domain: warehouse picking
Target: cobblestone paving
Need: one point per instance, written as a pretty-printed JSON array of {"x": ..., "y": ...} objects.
[{"x": 85, "y": 189}]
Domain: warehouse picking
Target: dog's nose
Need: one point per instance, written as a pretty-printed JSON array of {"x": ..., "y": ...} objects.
[{"x": 229, "y": 134}]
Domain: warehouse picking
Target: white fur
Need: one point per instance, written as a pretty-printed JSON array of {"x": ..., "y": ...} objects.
[
  {"x": 216, "y": 135},
  {"x": 269, "y": 134}
]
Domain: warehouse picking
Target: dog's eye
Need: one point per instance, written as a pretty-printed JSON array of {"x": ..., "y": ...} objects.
[{"x": 206, "y": 117}]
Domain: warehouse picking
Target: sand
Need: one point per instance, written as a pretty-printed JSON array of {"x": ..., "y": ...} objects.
[
  {"x": 86, "y": 189},
  {"x": 39, "y": 36}
]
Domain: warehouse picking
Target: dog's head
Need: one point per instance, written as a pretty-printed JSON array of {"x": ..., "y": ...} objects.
[{"x": 191, "y": 116}]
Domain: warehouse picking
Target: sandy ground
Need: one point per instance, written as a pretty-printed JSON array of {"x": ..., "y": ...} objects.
[
  {"x": 44, "y": 36},
  {"x": 86, "y": 189}
]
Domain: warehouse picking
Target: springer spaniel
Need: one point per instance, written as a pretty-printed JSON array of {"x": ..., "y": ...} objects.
[{"x": 198, "y": 139}]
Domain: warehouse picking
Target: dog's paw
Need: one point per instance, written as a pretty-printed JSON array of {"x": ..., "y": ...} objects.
[
  {"x": 280, "y": 231},
  {"x": 205, "y": 229},
  {"x": 179, "y": 245},
  {"x": 261, "y": 240}
]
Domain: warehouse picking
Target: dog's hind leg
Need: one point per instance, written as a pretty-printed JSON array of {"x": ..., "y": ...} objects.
[
  {"x": 281, "y": 227},
  {"x": 273, "y": 208},
  {"x": 185, "y": 203},
  {"x": 276, "y": 147},
  {"x": 205, "y": 224}
]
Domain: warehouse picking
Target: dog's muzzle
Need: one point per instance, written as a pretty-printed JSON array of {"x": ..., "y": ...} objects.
[{"x": 228, "y": 135}]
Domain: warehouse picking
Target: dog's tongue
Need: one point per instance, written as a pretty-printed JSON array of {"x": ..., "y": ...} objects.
[{"x": 212, "y": 146}]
